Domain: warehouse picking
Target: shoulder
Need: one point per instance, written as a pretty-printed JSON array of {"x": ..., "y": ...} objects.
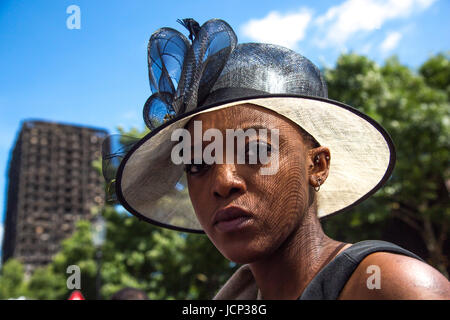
[{"x": 385, "y": 275}]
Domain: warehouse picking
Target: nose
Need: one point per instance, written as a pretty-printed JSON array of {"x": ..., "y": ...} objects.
[{"x": 227, "y": 182}]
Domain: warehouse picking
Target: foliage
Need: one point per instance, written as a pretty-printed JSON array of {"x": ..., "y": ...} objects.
[
  {"x": 165, "y": 264},
  {"x": 12, "y": 284},
  {"x": 436, "y": 72},
  {"x": 414, "y": 109}
]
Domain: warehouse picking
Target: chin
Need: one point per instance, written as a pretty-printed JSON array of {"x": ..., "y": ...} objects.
[{"x": 244, "y": 252}]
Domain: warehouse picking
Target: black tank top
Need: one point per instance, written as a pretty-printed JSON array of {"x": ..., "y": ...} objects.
[{"x": 328, "y": 283}]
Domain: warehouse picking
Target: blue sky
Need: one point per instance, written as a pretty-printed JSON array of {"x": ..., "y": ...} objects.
[{"x": 97, "y": 75}]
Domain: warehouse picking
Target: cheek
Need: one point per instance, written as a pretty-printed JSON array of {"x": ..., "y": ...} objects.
[
  {"x": 283, "y": 197},
  {"x": 199, "y": 199}
]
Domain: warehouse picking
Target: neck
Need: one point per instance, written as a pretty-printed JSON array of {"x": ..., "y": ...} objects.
[{"x": 287, "y": 272}]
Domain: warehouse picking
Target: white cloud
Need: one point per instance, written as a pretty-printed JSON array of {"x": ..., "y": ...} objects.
[
  {"x": 341, "y": 22},
  {"x": 390, "y": 42},
  {"x": 285, "y": 30}
]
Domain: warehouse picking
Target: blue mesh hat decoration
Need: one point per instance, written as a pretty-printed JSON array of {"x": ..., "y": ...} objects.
[{"x": 210, "y": 71}]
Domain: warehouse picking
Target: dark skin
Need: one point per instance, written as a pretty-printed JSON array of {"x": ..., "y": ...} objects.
[{"x": 283, "y": 242}]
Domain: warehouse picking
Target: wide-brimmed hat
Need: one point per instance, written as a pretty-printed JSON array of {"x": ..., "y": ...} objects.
[{"x": 212, "y": 73}]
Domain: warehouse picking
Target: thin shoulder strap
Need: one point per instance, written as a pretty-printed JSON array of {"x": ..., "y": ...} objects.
[{"x": 328, "y": 283}]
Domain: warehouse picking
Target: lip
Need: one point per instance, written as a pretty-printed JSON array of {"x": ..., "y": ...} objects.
[{"x": 231, "y": 218}]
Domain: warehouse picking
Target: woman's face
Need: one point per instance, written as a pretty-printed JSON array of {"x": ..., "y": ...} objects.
[{"x": 245, "y": 214}]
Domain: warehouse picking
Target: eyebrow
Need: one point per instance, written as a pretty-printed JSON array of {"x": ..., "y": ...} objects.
[{"x": 256, "y": 127}]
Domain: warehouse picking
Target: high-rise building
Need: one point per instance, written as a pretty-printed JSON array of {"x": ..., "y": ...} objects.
[{"x": 52, "y": 184}]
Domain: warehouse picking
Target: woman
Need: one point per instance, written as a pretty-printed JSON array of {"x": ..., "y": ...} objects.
[{"x": 216, "y": 108}]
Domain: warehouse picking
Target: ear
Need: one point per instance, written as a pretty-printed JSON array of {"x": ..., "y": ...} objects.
[{"x": 318, "y": 166}]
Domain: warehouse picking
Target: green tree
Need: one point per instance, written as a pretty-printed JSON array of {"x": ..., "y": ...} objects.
[
  {"x": 47, "y": 284},
  {"x": 436, "y": 72},
  {"x": 12, "y": 281},
  {"x": 414, "y": 109}
]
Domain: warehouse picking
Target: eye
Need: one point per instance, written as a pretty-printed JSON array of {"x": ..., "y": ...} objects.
[
  {"x": 254, "y": 148},
  {"x": 194, "y": 169}
]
